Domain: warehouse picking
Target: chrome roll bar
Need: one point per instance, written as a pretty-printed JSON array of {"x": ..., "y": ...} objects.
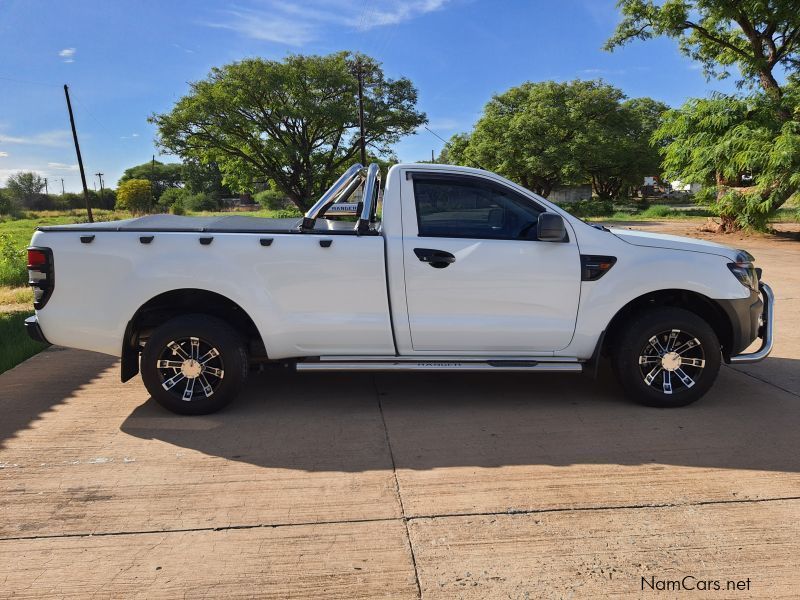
[
  {"x": 342, "y": 189},
  {"x": 330, "y": 195},
  {"x": 372, "y": 186}
]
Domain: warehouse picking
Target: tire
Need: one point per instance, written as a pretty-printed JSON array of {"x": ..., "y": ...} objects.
[
  {"x": 194, "y": 364},
  {"x": 666, "y": 357}
]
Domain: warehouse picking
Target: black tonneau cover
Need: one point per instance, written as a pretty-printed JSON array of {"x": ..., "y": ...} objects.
[{"x": 226, "y": 224}]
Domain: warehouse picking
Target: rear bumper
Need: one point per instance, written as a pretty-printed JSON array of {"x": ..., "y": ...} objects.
[
  {"x": 34, "y": 331},
  {"x": 761, "y": 322}
]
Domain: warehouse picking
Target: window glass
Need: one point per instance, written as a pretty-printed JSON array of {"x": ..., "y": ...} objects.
[{"x": 465, "y": 207}]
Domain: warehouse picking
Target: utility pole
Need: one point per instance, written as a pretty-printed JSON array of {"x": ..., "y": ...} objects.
[
  {"x": 102, "y": 192},
  {"x": 80, "y": 160},
  {"x": 62, "y": 186},
  {"x": 433, "y": 160},
  {"x": 360, "y": 75},
  {"x": 46, "y": 193}
]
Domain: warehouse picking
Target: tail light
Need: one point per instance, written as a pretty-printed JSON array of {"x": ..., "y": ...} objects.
[{"x": 41, "y": 276}]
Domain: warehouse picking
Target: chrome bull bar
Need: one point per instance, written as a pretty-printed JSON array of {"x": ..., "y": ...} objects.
[{"x": 765, "y": 331}]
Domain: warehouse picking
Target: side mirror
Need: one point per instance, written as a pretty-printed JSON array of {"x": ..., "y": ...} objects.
[{"x": 550, "y": 228}]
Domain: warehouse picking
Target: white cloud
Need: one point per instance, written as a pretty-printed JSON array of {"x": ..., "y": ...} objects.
[
  {"x": 56, "y": 138},
  {"x": 3, "y": 154},
  {"x": 6, "y": 173},
  {"x": 68, "y": 55},
  {"x": 297, "y": 24},
  {"x": 62, "y": 166}
]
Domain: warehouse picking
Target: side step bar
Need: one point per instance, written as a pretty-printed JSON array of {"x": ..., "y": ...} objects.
[{"x": 441, "y": 365}]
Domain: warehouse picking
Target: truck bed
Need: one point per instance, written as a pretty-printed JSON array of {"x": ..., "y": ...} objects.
[{"x": 226, "y": 224}]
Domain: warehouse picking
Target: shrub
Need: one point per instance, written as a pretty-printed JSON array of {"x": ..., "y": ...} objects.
[
  {"x": 748, "y": 209},
  {"x": 593, "y": 207},
  {"x": 200, "y": 202},
  {"x": 177, "y": 209},
  {"x": 135, "y": 195},
  {"x": 13, "y": 263},
  {"x": 170, "y": 198},
  {"x": 658, "y": 211},
  {"x": 272, "y": 200},
  {"x": 288, "y": 213},
  {"x": 7, "y": 204}
]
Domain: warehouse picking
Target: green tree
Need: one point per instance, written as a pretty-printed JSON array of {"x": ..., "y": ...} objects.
[
  {"x": 294, "y": 122},
  {"x": 546, "y": 134},
  {"x": 162, "y": 176},
  {"x": 454, "y": 152},
  {"x": 620, "y": 153},
  {"x": 747, "y": 157},
  {"x": 744, "y": 149},
  {"x": 205, "y": 178},
  {"x": 135, "y": 195},
  {"x": 26, "y": 188},
  {"x": 8, "y": 205},
  {"x": 757, "y": 36}
]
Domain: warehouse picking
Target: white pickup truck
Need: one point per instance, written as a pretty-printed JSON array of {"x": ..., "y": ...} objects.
[{"x": 447, "y": 268}]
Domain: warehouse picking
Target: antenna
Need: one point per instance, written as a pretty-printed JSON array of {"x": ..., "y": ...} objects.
[{"x": 78, "y": 152}]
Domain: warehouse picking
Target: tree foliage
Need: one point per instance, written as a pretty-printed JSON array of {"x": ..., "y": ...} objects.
[
  {"x": 204, "y": 178},
  {"x": 26, "y": 189},
  {"x": 745, "y": 149},
  {"x": 546, "y": 134},
  {"x": 747, "y": 158},
  {"x": 135, "y": 195},
  {"x": 162, "y": 176},
  {"x": 757, "y": 36},
  {"x": 294, "y": 122}
]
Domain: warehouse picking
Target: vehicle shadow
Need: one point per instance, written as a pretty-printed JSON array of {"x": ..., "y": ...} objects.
[
  {"x": 335, "y": 422},
  {"x": 44, "y": 381}
]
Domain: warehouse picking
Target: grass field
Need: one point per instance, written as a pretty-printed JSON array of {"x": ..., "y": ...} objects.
[{"x": 15, "y": 345}]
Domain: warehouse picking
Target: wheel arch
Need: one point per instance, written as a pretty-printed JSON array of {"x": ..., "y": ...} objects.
[
  {"x": 703, "y": 306},
  {"x": 173, "y": 303}
]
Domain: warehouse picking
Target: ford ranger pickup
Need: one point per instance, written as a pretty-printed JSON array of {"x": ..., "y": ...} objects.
[{"x": 443, "y": 268}]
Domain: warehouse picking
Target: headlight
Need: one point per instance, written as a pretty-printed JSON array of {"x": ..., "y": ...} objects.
[{"x": 744, "y": 270}]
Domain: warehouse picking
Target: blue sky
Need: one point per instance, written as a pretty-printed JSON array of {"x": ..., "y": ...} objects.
[{"x": 126, "y": 59}]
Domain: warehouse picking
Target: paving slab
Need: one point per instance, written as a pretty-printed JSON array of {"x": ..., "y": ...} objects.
[
  {"x": 606, "y": 553},
  {"x": 352, "y": 560},
  {"x": 99, "y": 456},
  {"x": 471, "y": 444}
]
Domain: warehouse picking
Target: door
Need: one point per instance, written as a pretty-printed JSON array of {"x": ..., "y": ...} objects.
[{"x": 476, "y": 278}]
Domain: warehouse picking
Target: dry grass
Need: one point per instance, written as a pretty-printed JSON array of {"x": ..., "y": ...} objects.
[{"x": 16, "y": 295}]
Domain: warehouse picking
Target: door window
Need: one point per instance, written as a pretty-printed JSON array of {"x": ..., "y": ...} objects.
[{"x": 467, "y": 207}]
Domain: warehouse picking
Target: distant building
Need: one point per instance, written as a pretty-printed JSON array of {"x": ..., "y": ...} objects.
[
  {"x": 691, "y": 188},
  {"x": 570, "y": 193}
]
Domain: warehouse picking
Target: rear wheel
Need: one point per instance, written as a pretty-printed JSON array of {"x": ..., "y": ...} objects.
[
  {"x": 667, "y": 357},
  {"x": 194, "y": 364}
]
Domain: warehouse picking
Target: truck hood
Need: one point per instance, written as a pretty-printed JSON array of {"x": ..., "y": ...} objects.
[{"x": 673, "y": 242}]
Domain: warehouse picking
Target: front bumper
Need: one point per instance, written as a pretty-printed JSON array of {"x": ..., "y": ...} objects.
[
  {"x": 765, "y": 329},
  {"x": 34, "y": 331}
]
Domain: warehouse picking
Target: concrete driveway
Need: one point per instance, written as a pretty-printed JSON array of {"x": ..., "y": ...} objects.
[{"x": 404, "y": 486}]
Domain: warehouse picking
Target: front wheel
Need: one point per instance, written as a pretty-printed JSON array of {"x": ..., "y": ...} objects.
[
  {"x": 666, "y": 357},
  {"x": 194, "y": 364}
]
